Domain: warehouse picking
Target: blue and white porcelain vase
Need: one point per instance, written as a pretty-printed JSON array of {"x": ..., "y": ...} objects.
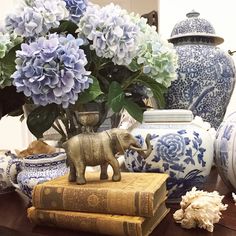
[
  {"x": 225, "y": 151},
  {"x": 206, "y": 74},
  {"x": 5, "y": 184},
  {"x": 181, "y": 148},
  {"x": 36, "y": 169}
]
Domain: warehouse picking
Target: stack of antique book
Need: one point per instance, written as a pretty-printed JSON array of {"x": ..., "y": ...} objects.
[{"x": 133, "y": 206}]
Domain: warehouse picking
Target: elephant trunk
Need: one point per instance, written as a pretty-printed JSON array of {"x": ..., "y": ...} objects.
[{"x": 145, "y": 152}]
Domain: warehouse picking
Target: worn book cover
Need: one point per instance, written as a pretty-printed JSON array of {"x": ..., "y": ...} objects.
[
  {"x": 136, "y": 194},
  {"x": 99, "y": 223}
]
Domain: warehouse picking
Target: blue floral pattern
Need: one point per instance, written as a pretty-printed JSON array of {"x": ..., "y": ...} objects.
[
  {"x": 224, "y": 151},
  {"x": 205, "y": 82},
  {"x": 193, "y": 25},
  {"x": 38, "y": 173},
  {"x": 37, "y": 169},
  {"x": 170, "y": 147},
  {"x": 205, "y": 74},
  {"x": 173, "y": 153},
  {"x": 224, "y": 156}
]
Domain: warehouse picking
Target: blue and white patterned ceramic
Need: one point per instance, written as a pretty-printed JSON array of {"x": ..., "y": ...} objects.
[
  {"x": 37, "y": 169},
  {"x": 206, "y": 74},
  {"x": 5, "y": 184},
  {"x": 181, "y": 149},
  {"x": 225, "y": 151}
]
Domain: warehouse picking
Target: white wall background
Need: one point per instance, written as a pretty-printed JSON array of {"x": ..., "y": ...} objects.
[
  {"x": 137, "y": 6},
  {"x": 13, "y": 133}
]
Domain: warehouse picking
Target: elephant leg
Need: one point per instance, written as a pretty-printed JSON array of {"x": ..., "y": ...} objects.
[
  {"x": 72, "y": 173},
  {"x": 104, "y": 174},
  {"x": 80, "y": 171},
  {"x": 116, "y": 169}
]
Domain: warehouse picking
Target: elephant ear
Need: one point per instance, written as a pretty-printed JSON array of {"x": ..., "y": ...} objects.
[{"x": 116, "y": 143}]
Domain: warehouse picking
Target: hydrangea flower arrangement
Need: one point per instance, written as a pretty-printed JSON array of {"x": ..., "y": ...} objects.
[{"x": 65, "y": 54}]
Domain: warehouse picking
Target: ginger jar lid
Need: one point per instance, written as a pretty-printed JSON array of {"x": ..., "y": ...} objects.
[
  {"x": 169, "y": 115},
  {"x": 194, "y": 26}
]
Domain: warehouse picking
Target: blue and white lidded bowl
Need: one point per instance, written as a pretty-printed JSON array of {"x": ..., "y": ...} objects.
[{"x": 181, "y": 148}]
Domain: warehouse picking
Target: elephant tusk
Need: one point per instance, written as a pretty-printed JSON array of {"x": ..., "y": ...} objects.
[{"x": 136, "y": 148}]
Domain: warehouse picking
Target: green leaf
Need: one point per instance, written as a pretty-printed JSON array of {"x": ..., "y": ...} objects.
[
  {"x": 134, "y": 66},
  {"x": 91, "y": 93},
  {"x": 65, "y": 27},
  {"x": 115, "y": 97},
  {"x": 41, "y": 119},
  {"x": 17, "y": 112},
  {"x": 158, "y": 89},
  {"x": 7, "y": 67},
  {"x": 101, "y": 98},
  {"x": 134, "y": 110}
]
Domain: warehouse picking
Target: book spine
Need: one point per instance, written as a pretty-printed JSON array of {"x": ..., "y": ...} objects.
[
  {"x": 145, "y": 204},
  {"x": 84, "y": 222},
  {"x": 91, "y": 200}
]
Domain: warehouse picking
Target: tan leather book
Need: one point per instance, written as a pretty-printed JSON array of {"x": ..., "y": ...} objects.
[
  {"x": 98, "y": 223},
  {"x": 136, "y": 194}
]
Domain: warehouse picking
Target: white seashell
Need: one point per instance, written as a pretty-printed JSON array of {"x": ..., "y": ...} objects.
[
  {"x": 200, "y": 209},
  {"x": 234, "y": 197}
]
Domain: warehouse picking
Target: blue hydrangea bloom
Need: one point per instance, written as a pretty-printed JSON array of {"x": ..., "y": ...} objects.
[
  {"x": 76, "y": 9},
  {"x": 37, "y": 17},
  {"x": 26, "y": 23},
  {"x": 52, "y": 70},
  {"x": 112, "y": 32}
]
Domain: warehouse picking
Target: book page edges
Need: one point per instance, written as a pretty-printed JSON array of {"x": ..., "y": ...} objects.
[
  {"x": 102, "y": 223},
  {"x": 152, "y": 223}
]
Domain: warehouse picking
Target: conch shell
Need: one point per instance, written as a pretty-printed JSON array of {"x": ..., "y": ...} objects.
[{"x": 200, "y": 208}]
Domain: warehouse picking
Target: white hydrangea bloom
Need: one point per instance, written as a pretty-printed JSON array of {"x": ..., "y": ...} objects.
[{"x": 157, "y": 56}]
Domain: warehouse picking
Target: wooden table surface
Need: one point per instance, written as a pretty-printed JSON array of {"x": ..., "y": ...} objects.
[{"x": 13, "y": 219}]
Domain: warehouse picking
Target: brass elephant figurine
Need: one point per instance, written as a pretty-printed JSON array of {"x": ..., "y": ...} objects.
[{"x": 92, "y": 149}]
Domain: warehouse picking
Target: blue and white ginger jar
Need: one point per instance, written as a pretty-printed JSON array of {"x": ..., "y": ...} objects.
[
  {"x": 225, "y": 151},
  {"x": 181, "y": 148},
  {"x": 206, "y": 74},
  {"x": 36, "y": 169}
]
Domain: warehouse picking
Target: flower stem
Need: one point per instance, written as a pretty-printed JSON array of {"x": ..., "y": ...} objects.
[
  {"x": 59, "y": 129},
  {"x": 131, "y": 79},
  {"x": 72, "y": 127}
]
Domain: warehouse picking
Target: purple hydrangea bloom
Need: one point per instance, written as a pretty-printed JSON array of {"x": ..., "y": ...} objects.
[
  {"x": 52, "y": 70},
  {"x": 76, "y": 8}
]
